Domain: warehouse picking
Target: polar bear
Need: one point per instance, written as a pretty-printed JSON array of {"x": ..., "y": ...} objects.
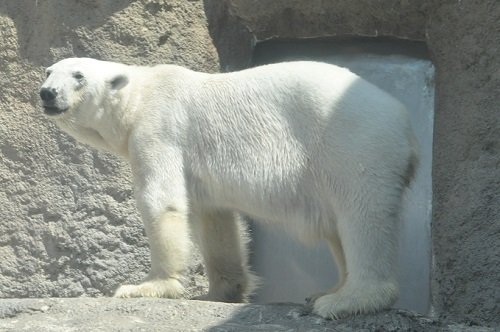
[{"x": 307, "y": 145}]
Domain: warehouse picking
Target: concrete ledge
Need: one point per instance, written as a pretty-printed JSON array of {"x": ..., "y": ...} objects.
[{"x": 108, "y": 314}]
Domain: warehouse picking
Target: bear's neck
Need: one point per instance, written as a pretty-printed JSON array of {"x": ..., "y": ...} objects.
[{"x": 114, "y": 125}]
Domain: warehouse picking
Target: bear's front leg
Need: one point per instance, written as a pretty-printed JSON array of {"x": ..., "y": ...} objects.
[
  {"x": 161, "y": 200},
  {"x": 169, "y": 244}
]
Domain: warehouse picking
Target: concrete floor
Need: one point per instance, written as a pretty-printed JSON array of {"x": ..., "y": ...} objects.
[{"x": 147, "y": 314}]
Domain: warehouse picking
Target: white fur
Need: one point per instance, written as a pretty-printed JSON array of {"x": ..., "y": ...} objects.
[{"x": 308, "y": 145}]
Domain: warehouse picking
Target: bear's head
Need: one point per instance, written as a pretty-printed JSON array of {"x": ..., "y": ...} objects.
[
  {"x": 79, "y": 94},
  {"x": 76, "y": 83}
]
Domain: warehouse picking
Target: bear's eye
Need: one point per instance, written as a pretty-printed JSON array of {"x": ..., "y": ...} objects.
[
  {"x": 47, "y": 74},
  {"x": 78, "y": 75}
]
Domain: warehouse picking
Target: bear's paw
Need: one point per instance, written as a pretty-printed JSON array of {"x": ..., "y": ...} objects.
[
  {"x": 168, "y": 288},
  {"x": 349, "y": 301}
]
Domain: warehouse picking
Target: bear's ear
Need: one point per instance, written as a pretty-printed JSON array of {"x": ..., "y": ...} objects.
[{"x": 118, "y": 82}]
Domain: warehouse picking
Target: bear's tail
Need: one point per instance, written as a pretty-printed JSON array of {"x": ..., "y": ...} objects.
[{"x": 413, "y": 161}]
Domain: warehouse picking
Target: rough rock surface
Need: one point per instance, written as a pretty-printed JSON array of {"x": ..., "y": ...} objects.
[
  {"x": 69, "y": 226},
  {"x": 182, "y": 316}
]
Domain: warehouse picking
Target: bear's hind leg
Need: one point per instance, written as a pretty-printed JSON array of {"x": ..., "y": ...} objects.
[
  {"x": 369, "y": 238},
  {"x": 222, "y": 240}
]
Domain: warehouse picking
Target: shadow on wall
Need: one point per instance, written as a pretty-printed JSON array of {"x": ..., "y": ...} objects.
[
  {"x": 43, "y": 26},
  {"x": 233, "y": 41}
]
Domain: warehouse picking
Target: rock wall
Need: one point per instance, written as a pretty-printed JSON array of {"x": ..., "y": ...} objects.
[{"x": 69, "y": 225}]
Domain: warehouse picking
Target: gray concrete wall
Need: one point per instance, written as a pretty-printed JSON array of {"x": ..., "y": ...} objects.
[{"x": 69, "y": 225}]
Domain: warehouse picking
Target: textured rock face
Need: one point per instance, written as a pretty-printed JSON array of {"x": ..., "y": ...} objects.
[
  {"x": 69, "y": 226},
  {"x": 466, "y": 226}
]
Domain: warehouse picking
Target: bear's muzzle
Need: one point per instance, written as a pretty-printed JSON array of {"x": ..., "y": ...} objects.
[{"x": 48, "y": 96}]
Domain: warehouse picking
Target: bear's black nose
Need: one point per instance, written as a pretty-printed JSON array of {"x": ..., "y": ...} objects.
[{"x": 48, "y": 94}]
